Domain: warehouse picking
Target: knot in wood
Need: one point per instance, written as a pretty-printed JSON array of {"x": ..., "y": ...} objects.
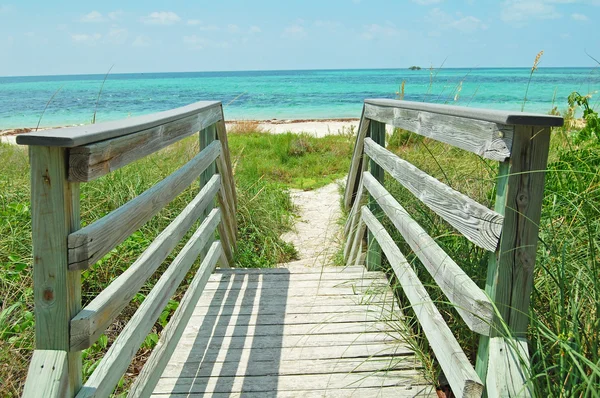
[{"x": 48, "y": 294}]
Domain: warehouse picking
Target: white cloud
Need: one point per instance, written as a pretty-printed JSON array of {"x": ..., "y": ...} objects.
[
  {"x": 427, "y": 2},
  {"x": 114, "y": 15},
  {"x": 255, "y": 29},
  {"x": 232, "y": 28},
  {"x": 141, "y": 41},
  {"x": 327, "y": 24},
  {"x": 459, "y": 22},
  {"x": 86, "y": 38},
  {"x": 519, "y": 11},
  {"x": 193, "y": 22},
  {"x": 374, "y": 31},
  {"x": 117, "y": 35},
  {"x": 294, "y": 31},
  {"x": 161, "y": 18},
  {"x": 579, "y": 17},
  {"x": 93, "y": 16}
]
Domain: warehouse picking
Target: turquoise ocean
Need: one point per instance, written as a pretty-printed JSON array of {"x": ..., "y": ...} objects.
[{"x": 303, "y": 94}]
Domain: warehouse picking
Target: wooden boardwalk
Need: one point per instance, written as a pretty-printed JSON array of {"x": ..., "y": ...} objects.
[{"x": 294, "y": 332}]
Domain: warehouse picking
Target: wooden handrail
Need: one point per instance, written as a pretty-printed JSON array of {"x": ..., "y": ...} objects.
[
  {"x": 60, "y": 160},
  {"x": 519, "y": 142}
]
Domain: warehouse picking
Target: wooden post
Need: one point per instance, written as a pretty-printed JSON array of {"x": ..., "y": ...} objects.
[
  {"x": 57, "y": 291},
  {"x": 207, "y": 136},
  {"x": 520, "y": 191},
  {"x": 373, "y": 259}
]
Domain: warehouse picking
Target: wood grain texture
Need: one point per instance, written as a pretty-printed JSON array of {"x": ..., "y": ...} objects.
[
  {"x": 88, "y": 162},
  {"x": 250, "y": 341},
  {"x": 512, "y": 280},
  {"x": 48, "y": 375},
  {"x": 115, "y": 362},
  {"x": 467, "y": 298},
  {"x": 476, "y": 222},
  {"x": 91, "y": 243},
  {"x": 91, "y": 322},
  {"x": 356, "y": 165},
  {"x": 453, "y": 361},
  {"x": 222, "y": 137},
  {"x": 376, "y": 135},
  {"x": 351, "y": 227},
  {"x": 82, "y": 135},
  {"x": 486, "y": 139},
  {"x": 156, "y": 363},
  {"x": 489, "y": 115},
  {"x": 57, "y": 291},
  {"x": 508, "y": 372}
]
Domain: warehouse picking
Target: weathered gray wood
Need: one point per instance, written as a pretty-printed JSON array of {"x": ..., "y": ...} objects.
[
  {"x": 468, "y": 299},
  {"x": 488, "y": 115},
  {"x": 453, "y": 361},
  {"x": 489, "y": 140},
  {"x": 373, "y": 257},
  {"x": 222, "y": 137},
  {"x": 510, "y": 272},
  {"x": 91, "y": 243},
  {"x": 91, "y": 322},
  {"x": 357, "y": 243},
  {"x": 82, "y": 135},
  {"x": 508, "y": 373},
  {"x": 48, "y": 375},
  {"x": 476, "y": 222},
  {"x": 267, "y": 384},
  {"x": 225, "y": 242},
  {"x": 88, "y": 162},
  {"x": 356, "y": 165},
  {"x": 228, "y": 220},
  {"x": 57, "y": 292},
  {"x": 116, "y": 361},
  {"x": 156, "y": 363},
  {"x": 352, "y": 226},
  {"x": 275, "y": 283},
  {"x": 226, "y": 199}
]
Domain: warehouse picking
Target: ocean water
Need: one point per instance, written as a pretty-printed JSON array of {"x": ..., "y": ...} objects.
[{"x": 307, "y": 94}]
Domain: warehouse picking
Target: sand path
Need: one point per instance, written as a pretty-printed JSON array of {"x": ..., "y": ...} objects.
[{"x": 316, "y": 234}]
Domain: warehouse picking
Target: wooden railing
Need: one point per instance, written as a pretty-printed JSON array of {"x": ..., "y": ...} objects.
[
  {"x": 519, "y": 142},
  {"x": 61, "y": 160}
]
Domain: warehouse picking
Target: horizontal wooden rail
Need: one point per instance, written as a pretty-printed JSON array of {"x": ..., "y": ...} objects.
[
  {"x": 476, "y": 222},
  {"x": 453, "y": 361},
  {"x": 117, "y": 359},
  {"x": 156, "y": 363},
  {"x": 91, "y": 322},
  {"x": 467, "y": 298},
  {"x": 83, "y": 135},
  {"x": 91, "y": 161},
  {"x": 89, "y": 244}
]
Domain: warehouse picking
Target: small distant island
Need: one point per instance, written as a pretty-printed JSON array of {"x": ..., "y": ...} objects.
[{"x": 415, "y": 68}]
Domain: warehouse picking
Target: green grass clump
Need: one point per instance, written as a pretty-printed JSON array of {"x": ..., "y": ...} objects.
[{"x": 298, "y": 161}]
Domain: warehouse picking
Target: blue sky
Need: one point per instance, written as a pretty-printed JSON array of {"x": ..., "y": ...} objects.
[{"x": 76, "y": 37}]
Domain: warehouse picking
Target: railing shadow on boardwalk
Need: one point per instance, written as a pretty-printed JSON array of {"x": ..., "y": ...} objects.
[{"x": 230, "y": 345}]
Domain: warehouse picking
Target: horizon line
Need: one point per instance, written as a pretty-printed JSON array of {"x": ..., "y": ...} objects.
[{"x": 303, "y": 70}]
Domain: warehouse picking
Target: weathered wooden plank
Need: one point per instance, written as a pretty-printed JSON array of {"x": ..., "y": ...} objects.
[
  {"x": 82, "y": 135},
  {"x": 91, "y": 243},
  {"x": 357, "y": 242},
  {"x": 48, "y": 375},
  {"x": 488, "y": 115},
  {"x": 291, "y": 277},
  {"x": 57, "y": 292},
  {"x": 508, "y": 373},
  {"x": 468, "y": 299},
  {"x": 486, "y": 139},
  {"x": 291, "y": 383},
  {"x": 356, "y": 165},
  {"x": 88, "y": 162},
  {"x": 87, "y": 326},
  {"x": 244, "y": 284},
  {"x": 476, "y": 222},
  {"x": 229, "y": 194},
  {"x": 169, "y": 339},
  {"x": 258, "y": 318},
  {"x": 195, "y": 368},
  {"x": 373, "y": 256},
  {"x": 408, "y": 391},
  {"x": 116, "y": 361},
  {"x": 453, "y": 361},
  {"x": 225, "y": 242}
]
